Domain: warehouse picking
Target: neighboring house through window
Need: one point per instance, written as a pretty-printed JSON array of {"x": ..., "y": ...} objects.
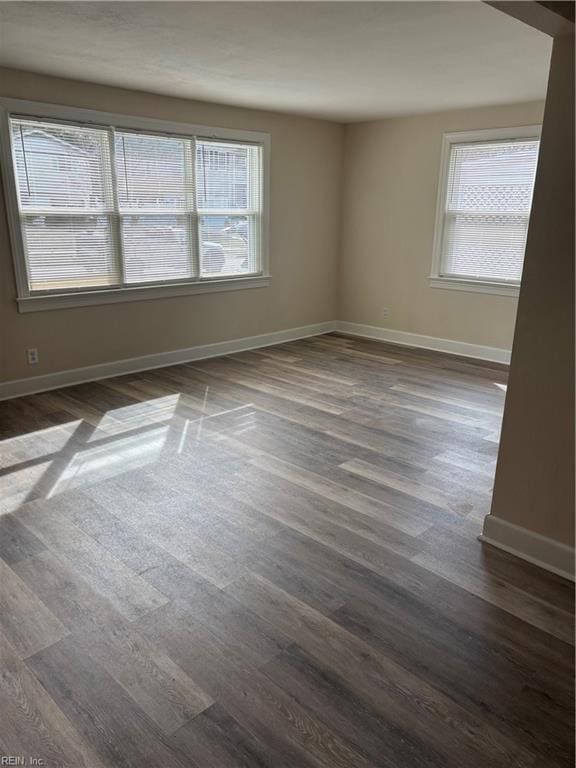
[
  {"x": 102, "y": 208},
  {"x": 485, "y": 196}
]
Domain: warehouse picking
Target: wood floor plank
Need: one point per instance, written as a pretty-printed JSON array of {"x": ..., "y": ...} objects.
[
  {"x": 155, "y": 683},
  {"x": 249, "y": 696},
  {"x": 303, "y": 582},
  {"x": 354, "y": 500},
  {"x": 437, "y": 599},
  {"x": 16, "y": 541},
  {"x": 270, "y": 560},
  {"x": 498, "y": 592},
  {"x": 77, "y": 602},
  {"x": 112, "y": 533},
  {"x": 458, "y": 542},
  {"x": 179, "y": 538},
  {"x": 315, "y": 510},
  {"x": 118, "y": 731},
  {"x": 215, "y": 738},
  {"x": 293, "y": 512},
  {"x": 444, "y": 397},
  {"x": 370, "y": 731},
  {"x": 403, "y": 696},
  {"x": 411, "y": 487},
  {"x": 250, "y": 637},
  {"x": 479, "y": 677},
  {"x": 27, "y": 623},
  {"x": 287, "y": 375},
  {"x": 129, "y": 594},
  {"x": 285, "y": 392},
  {"x": 31, "y": 718}
]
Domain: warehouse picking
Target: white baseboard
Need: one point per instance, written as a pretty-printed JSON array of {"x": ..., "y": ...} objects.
[
  {"x": 477, "y": 351},
  {"x": 35, "y": 384},
  {"x": 533, "y": 547}
]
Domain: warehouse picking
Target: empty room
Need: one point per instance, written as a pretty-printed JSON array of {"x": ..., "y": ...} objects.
[{"x": 287, "y": 384}]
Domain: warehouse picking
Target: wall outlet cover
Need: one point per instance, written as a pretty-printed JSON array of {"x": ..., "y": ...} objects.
[{"x": 32, "y": 356}]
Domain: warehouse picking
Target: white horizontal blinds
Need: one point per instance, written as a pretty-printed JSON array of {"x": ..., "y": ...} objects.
[
  {"x": 106, "y": 207},
  {"x": 489, "y": 194},
  {"x": 229, "y": 200},
  {"x": 65, "y": 198},
  {"x": 155, "y": 189}
]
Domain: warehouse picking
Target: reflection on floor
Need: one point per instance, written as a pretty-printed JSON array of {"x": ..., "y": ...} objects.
[{"x": 270, "y": 559}]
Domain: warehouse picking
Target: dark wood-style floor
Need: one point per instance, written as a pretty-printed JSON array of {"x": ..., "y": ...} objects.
[{"x": 270, "y": 559}]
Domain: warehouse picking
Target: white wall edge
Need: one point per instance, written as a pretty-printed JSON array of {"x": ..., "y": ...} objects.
[
  {"x": 539, "y": 550},
  {"x": 46, "y": 382},
  {"x": 462, "y": 348}
]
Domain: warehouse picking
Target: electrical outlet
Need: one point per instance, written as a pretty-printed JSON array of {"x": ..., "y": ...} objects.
[
  {"x": 32, "y": 356},
  {"x": 385, "y": 312}
]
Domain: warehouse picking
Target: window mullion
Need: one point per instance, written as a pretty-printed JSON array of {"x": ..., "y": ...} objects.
[
  {"x": 115, "y": 215},
  {"x": 192, "y": 208},
  {"x": 107, "y": 239}
]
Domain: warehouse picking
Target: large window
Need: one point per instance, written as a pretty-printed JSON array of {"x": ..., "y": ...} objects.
[
  {"x": 487, "y": 179},
  {"x": 105, "y": 209}
]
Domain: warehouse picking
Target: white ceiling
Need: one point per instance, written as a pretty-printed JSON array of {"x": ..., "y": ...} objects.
[{"x": 346, "y": 61}]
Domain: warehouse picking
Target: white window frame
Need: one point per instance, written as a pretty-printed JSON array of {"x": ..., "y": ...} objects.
[
  {"x": 437, "y": 279},
  {"x": 28, "y": 302}
]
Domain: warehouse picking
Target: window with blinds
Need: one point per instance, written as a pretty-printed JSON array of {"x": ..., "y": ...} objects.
[
  {"x": 105, "y": 207},
  {"x": 487, "y": 200}
]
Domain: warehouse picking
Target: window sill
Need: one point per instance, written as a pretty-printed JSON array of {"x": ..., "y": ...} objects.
[
  {"x": 42, "y": 302},
  {"x": 475, "y": 286}
]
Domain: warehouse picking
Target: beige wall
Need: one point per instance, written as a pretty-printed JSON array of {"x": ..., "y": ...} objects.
[
  {"x": 338, "y": 251},
  {"x": 534, "y": 486},
  {"x": 392, "y": 173},
  {"x": 304, "y": 241}
]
